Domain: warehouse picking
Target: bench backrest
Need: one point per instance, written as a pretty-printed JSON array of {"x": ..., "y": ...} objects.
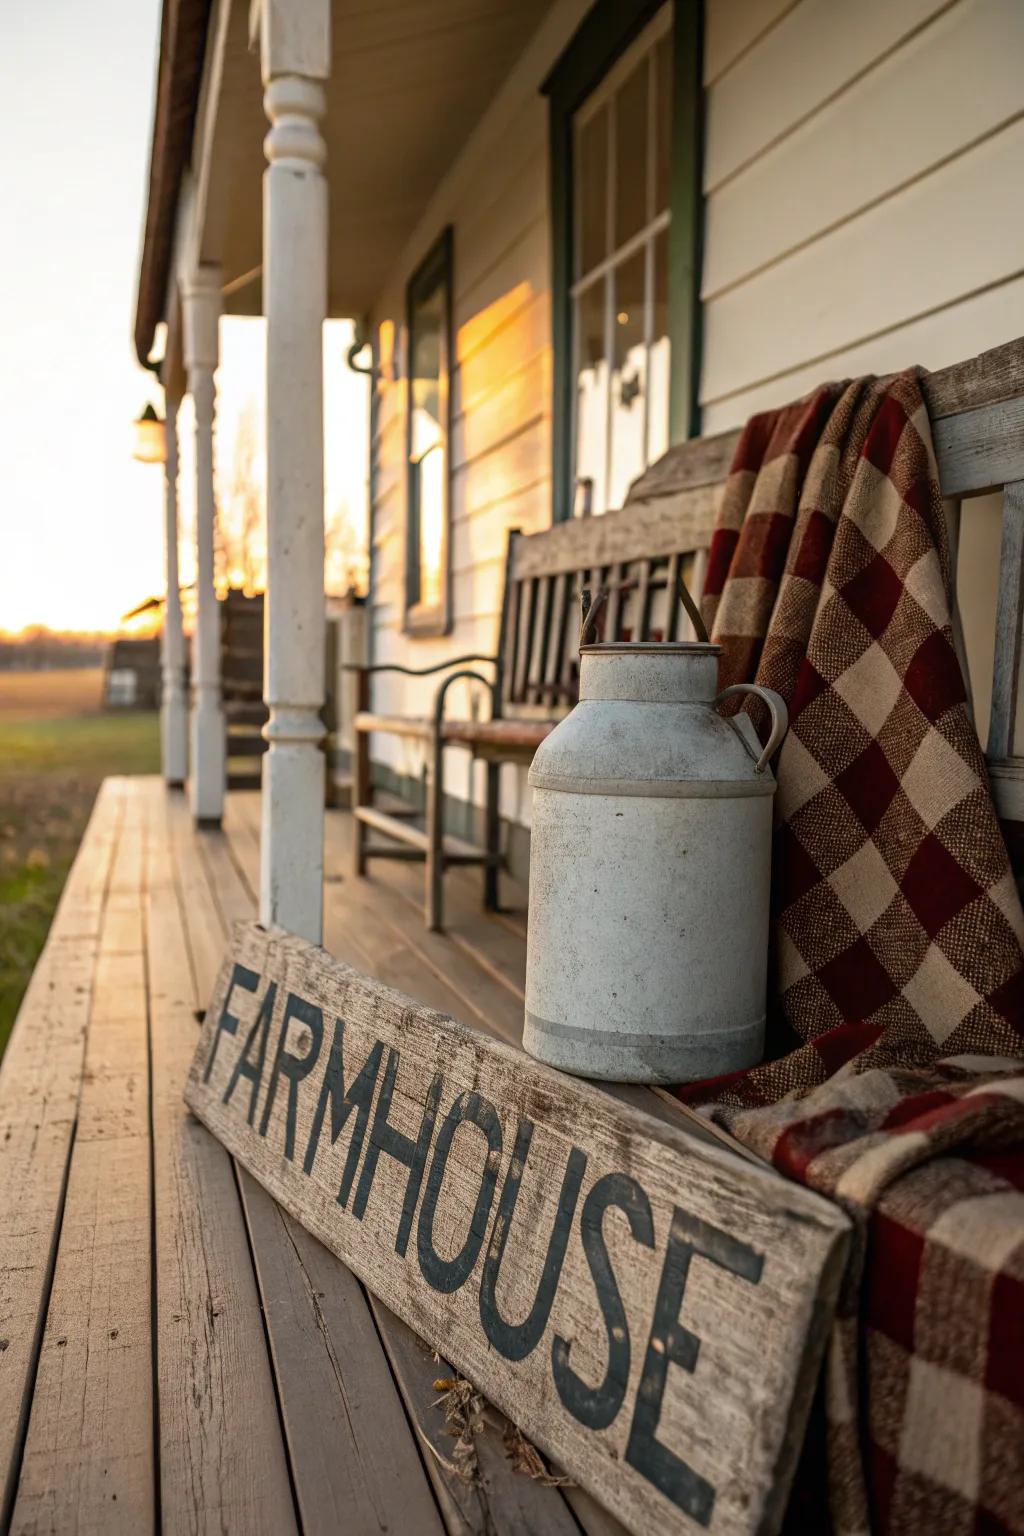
[
  {"x": 637, "y": 554},
  {"x": 977, "y": 415}
]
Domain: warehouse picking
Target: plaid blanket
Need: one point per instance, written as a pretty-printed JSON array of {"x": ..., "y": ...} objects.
[{"x": 893, "y": 1081}]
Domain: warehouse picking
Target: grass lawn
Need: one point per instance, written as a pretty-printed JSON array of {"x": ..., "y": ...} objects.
[{"x": 56, "y": 748}]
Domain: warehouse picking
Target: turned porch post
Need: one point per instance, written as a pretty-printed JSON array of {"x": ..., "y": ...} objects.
[
  {"x": 201, "y": 306},
  {"x": 173, "y": 705},
  {"x": 295, "y": 46}
]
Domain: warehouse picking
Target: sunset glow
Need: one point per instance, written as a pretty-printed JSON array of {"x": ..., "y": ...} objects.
[{"x": 81, "y": 521}]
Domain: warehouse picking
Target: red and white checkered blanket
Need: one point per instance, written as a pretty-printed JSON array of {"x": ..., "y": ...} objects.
[{"x": 894, "y": 1081}]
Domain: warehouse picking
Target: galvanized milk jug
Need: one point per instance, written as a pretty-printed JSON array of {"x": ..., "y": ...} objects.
[{"x": 649, "y": 871}]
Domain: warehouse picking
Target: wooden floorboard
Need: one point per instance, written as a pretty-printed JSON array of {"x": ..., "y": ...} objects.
[
  {"x": 223, "y": 1464},
  {"x": 205, "y": 936},
  {"x": 355, "y": 1462},
  {"x": 40, "y": 1080},
  {"x": 458, "y": 985},
  {"x": 88, "y": 1459}
]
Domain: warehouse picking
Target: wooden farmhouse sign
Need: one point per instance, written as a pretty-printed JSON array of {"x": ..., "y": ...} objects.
[{"x": 649, "y": 1308}]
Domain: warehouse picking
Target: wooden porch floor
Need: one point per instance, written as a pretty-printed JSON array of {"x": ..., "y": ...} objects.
[{"x": 175, "y": 1353}]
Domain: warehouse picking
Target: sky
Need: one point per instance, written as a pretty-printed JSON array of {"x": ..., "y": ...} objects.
[{"x": 81, "y": 523}]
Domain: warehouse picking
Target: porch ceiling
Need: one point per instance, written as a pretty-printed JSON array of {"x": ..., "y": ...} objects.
[{"x": 409, "y": 80}]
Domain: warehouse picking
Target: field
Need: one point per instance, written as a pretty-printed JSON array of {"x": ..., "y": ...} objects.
[{"x": 56, "y": 747}]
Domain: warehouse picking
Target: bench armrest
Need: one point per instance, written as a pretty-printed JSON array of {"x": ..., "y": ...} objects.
[
  {"x": 441, "y": 666},
  {"x": 476, "y": 677}
]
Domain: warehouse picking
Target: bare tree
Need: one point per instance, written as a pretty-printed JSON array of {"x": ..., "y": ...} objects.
[{"x": 241, "y": 534}]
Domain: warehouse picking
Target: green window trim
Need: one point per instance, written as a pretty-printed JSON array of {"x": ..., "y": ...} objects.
[
  {"x": 607, "y": 30},
  {"x": 434, "y": 273}
]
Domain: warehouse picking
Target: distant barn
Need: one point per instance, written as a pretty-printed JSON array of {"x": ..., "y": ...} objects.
[{"x": 131, "y": 678}]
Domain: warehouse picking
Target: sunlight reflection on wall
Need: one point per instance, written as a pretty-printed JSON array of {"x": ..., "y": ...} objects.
[{"x": 240, "y": 466}]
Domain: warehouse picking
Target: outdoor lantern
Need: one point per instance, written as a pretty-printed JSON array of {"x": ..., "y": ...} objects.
[
  {"x": 649, "y": 871},
  {"x": 150, "y": 445}
]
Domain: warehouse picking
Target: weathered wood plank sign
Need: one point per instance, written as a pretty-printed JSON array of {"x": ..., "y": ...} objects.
[{"x": 650, "y": 1309}]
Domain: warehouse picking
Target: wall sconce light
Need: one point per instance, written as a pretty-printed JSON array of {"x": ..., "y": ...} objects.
[{"x": 149, "y": 443}]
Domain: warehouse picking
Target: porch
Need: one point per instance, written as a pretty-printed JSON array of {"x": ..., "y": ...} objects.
[{"x": 176, "y": 1351}]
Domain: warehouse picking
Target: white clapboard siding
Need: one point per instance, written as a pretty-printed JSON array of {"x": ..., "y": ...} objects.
[
  {"x": 519, "y": 464},
  {"x": 935, "y": 340},
  {"x": 816, "y": 49},
  {"x": 510, "y": 201},
  {"x": 957, "y": 230},
  {"x": 733, "y": 27},
  {"x": 871, "y": 140},
  {"x": 484, "y": 537},
  {"x": 520, "y": 273},
  {"x": 524, "y": 335},
  {"x": 515, "y": 403}
]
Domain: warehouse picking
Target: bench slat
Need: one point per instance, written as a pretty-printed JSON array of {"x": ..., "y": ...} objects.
[
  {"x": 404, "y": 832},
  {"x": 539, "y": 644},
  {"x": 674, "y": 524},
  {"x": 1008, "y": 674},
  {"x": 553, "y": 669},
  {"x": 980, "y": 450},
  {"x": 526, "y": 605}
]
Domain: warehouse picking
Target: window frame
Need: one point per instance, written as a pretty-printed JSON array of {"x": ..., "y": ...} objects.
[
  {"x": 605, "y": 34},
  {"x": 434, "y": 270}
]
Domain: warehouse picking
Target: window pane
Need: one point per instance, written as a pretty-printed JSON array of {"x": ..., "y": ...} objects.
[
  {"x": 660, "y": 356},
  {"x": 430, "y": 476},
  {"x": 628, "y": 380},
  {"x": 592, "y": 192},
  {"x": 427, "y": 327},
  {"x": 591, "y": 397},
  {"x": 663, "y": 119},
  {"x": 427, "y": 446},
  {"x": 631, "y": 155}
]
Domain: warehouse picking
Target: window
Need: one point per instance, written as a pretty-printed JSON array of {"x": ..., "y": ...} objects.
[
  {"x": 625, "y": 110},
  {"x": 429, "y": 319}
]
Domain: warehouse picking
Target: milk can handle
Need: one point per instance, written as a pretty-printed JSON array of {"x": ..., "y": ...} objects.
[
  {"x": 777, "y": 709},
  {"x": 592, "y": 609}
]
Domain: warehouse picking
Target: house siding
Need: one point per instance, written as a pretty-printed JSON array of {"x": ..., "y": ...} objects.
[
  {"x": 861, "y": 176},
  {"x": 863, "y": 212},
  {"x": 861, "y": 172}
]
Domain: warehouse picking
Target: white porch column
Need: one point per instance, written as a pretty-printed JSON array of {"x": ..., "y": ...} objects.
[
  {"x": 174, "y": 705},
  {"x": 201, "y": 306},
  {"x": 295, "y": 39}
]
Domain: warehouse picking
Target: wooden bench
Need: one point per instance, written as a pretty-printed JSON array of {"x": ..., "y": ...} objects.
[
  {"x": 663, "y": 530},
  {"x": 638, "y": 557}
]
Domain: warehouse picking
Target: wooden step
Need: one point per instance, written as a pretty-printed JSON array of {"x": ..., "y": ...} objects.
[
  {"x": 245, "y": 711},
  {"x": 244, "y": 779},
  {"x": 245, "y": 744}
]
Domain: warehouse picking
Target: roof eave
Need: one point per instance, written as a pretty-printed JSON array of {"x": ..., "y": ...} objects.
[{"x": 183, "y": 30}]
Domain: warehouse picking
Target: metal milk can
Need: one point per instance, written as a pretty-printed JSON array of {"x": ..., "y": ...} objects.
[{"x": 649, "y": 872}]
